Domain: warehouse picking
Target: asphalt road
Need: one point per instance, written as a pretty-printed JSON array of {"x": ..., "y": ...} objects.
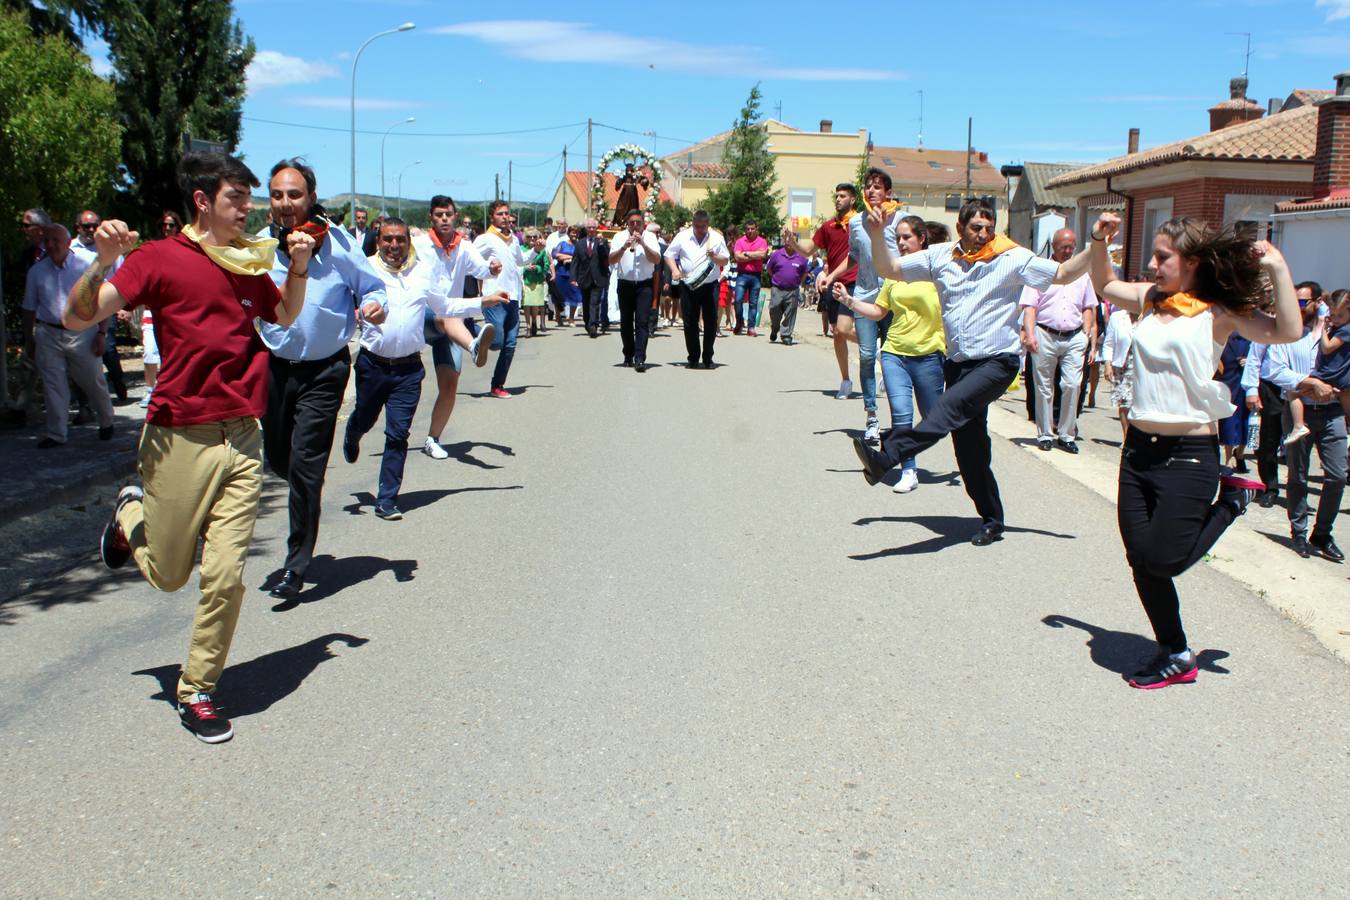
[{"x": 653, "y": 635}]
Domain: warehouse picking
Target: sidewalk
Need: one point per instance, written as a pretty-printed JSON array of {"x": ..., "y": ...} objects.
[
  {"x": 39, "y": 479},
  {"x": 1255, "y": 551}
]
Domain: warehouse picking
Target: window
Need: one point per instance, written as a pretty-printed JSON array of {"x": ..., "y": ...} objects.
[
  {"x": 802, "y": 203},
  {"x": 953, "y": 203},
  {"x": 934, "y": 164},
  {"x": 1156, "y": 212}
]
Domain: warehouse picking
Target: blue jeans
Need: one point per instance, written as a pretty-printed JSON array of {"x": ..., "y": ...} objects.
[
  {"x": 506, "y": 317},
  {"x": 395, "y": 389},
  {"x": 909, "y": 378},
  {"x": 869, "y": 333},
  {"x": 747, "y": 289}
]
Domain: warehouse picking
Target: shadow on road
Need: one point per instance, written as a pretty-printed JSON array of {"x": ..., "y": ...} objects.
[
  {"x": 513, "y": 391},
  {"x": 463, "y": 452},
  {"x": 328, "y": 575},
  {"x": 949, "y": 531},
  {"x": 1123, "y": 652},
  {"x": 414, "y": 500},
  {"x": 823, "y": 393},
  {"x": 252, "y": 687}
]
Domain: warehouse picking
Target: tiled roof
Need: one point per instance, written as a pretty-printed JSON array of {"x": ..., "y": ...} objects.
[
  {"x": 580, "y": 183},
  {"x": 719, "y": 138},
  {"x": 940, "y": 168},
  {"x": 1236, "y": 103},
  {"x": 700, "y": 170},
  {"x": 1037, "y": 174},
  {"x": 1284, "y": 137},
  {"x": 1306, "y": 97},
  {"x": 1337, "y": 199}
]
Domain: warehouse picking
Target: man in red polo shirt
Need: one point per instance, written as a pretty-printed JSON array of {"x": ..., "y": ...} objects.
[
  {"x": 832, "y": 237},
  {"x": 201, "y": 451}
]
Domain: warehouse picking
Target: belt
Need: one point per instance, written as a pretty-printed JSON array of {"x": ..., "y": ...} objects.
[
  {"x": 1062, "y": 335},
  {"x": 392, "y": 361},
  {"x": 53, "y": 325},
  {"x": 312, "y": 362}
]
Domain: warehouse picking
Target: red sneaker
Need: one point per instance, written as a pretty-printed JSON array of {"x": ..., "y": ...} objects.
[
  {"x": 753, "y": 333},
  {"x": 500, "y": 393}
]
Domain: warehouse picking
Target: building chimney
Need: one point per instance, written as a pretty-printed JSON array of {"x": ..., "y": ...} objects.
[
  {"x": 1236, "y": 109},
  {"x": 1331, "y": 166},
  {"x": 826, "y": 126},
  {"x": 1275, "y": 105},
  {"x": 1133, "y": 145}
]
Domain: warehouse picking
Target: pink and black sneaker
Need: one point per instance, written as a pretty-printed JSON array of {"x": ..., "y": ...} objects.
[
  {"x": 1165, "y": 670},
  {"x": 199, "y": 716}
]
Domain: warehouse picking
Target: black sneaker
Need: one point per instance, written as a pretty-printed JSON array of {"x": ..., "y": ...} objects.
[
  {"x": 199, "y": 716},
  {"x": 389, "y": 513},
  {"x": 351, "y": 445},
  {"x": 1237, "y": 490},
  {"x": 1165, "y": 670},
  {"x": 113, "y": 546}
]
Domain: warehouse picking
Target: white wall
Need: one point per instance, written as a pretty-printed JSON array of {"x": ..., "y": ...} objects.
[{"x": 1316, "y": 248}]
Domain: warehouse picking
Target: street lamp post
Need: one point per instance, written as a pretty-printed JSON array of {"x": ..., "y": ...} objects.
[
  {"x": 400, "y": 185},
  {"x": 406, "y": 26},
  {"x": 407, "y": 121}
]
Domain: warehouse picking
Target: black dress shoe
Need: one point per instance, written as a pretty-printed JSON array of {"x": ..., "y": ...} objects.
[
  {"x": 693, "y": 364},
  {"x": 708, "y": 364},
  {"x": 1327, "y": 547},
  {"x": 105, "y": 433},
  {"x": 640, "y": 365},
  {"x": 1266, "y": 499},
  {"x": 873, "y": 470},
  {"x": 987, "y": 535},
  {"x": 1301, "y": 547},
  {"x": 627, "y": 364},
  {"x": 351, "y": 446},
  {"x": 1067, "y": 446},
  {"x": 288, "y": 588},
  {"x": 1045, "y": 444}
]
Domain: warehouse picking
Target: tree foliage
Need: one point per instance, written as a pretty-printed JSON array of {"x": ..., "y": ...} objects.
[
  {"x": 671, "y": 216},
  {"x": 59, "y": 139},
  {"x": 751, "y": 189},
  {"x": 178, "y": 67},
  {"x": 57, "y": 18}
]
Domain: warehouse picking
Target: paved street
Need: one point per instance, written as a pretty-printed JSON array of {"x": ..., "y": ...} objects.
[{"x": 653, "y": 635}]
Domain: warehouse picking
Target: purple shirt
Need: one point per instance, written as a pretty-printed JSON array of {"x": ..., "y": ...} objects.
[
  {"x": 1061, "y": 306},
  {"x": 786, "y": 270}
]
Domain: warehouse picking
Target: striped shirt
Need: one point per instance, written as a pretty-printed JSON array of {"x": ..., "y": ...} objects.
[
  {"x": 1256, "y": 369},
  {"x": 979, "y": 300},
  {"x": 1291, "y": 363}
]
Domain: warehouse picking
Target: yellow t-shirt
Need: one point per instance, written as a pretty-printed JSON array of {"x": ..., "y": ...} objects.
[{"x": 916, "y": 328}]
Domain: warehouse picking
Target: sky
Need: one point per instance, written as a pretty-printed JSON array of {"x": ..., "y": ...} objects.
[{"x": 488, "y": 85}]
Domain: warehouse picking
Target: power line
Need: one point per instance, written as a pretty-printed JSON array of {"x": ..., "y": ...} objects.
[
  {"x": 664, "y": 137},
  {"x": 426, "y": 134}
]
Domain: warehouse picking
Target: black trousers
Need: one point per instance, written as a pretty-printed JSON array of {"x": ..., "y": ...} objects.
[
  {"x": 635, "y": 304},
  {"x": 693, "y": 304},
  {"x": 595, "y": 306},
  {"x": 303, "y": 399},
  {"x": 117, "y": 382},
  {"x": 1168, "y": 519},
  {"x": 1272, "y": 432},
  {"x": 963, "y": 412}
]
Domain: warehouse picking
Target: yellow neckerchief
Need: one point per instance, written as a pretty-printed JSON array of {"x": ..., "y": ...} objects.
[
  {"x": 1182, "y": 304},
  {"x": 843, "y": 222},
  {"x": 408, "y": 263},
  {"x": 505, "y": 236},
  {"x": 887, "y": 206},
  {"x": 996, "y": 245},
  {"x": 245, "y": 255}
]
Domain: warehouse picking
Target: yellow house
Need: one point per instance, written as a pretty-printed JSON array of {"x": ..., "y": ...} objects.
[{"x": 808, "y": 164}]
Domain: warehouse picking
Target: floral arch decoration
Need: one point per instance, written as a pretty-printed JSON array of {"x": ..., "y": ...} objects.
[{"x": 639, "y": 157}]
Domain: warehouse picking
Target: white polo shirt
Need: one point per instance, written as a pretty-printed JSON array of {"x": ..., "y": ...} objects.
[
  {"x": 411, "y": 292},
  {"x": 633, "y": 264},
  {"x": 463, "y": 260}
]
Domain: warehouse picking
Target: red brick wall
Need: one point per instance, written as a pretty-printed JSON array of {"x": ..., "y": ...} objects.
[
  {"x": 1202, "y": 198},
  {"x": 1331, "y": 169}
]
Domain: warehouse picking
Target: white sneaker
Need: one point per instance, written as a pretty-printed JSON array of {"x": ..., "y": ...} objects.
[
  {"x": 845, "y": 388},
  {"x": 432, "y": 447},
  {"x": 909, "y": 480},
  {"x": 873, "y": 433},
  {"x": 481, "y": 346},
  {"x": 145, "y": 401}
]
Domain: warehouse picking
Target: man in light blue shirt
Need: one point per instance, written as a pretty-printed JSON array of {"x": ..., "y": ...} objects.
[{"x": 310, "y": 360}]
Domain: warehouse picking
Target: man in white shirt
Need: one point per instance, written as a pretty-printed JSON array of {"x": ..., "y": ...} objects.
[
  {"x": 444, "y": 242},
  {"x": 63, "y": 354},
  {"x": 85, "y": 225},
  {"x": 689, "y": 253},
  {"x": 499, "y": 244},
  {"x": 557, "y": 234},
  {"x": 634, "y": 255},
  {"x": 389, "y": 369}
]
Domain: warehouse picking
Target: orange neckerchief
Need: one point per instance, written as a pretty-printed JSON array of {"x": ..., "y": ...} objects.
[
  {"x": 996, "y": 245},
  {"x": 843, "y": 222},
  {"x": 887, "y": 206},
  {"x": 1182, "y": 304},
  {"x": 454, "y": 241}
]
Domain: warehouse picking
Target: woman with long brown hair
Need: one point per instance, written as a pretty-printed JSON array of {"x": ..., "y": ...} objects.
[{"x": 1206, "y": 284}]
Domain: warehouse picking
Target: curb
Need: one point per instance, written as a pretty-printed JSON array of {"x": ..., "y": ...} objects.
[{"x": 120, "y": 466}]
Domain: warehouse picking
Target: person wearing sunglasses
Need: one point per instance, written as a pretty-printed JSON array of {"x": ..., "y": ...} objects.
[
  {"x": 83, "y": 246},
  {"x": 170, "y": 224}
]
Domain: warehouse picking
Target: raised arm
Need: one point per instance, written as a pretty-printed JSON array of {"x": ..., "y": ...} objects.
[
  {"x": 1286, "y": 326},
  {"x": 1094, "y": 260},
  {"x": 92, "y": 299},
  {"x": 884, "y": 258},
  {"x": 858, "y": 307}
]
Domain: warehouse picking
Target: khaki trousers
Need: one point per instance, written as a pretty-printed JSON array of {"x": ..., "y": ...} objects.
[{"x": 200, "y": 481}]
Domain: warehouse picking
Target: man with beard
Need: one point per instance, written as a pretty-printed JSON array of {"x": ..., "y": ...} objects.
[
  {"x": 310, "y": 362},
  {"x": 444, "y": 243},
  {"x": 389, "y": 369},
  {"x": 499, "y": 244}
]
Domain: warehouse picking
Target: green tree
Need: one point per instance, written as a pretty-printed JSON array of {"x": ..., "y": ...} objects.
[
  {"x": 60, "y": 18},
  {"x": 751, "y": 189},
  {"x": 671, "y": 216},
  {"x": 59, "y": 141},
  {"x": 178, "y": 67},
  {"x": 860, "y": 180}
]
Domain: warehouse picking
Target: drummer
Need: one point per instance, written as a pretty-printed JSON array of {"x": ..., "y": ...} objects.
[{"x": 695, "y": 257}]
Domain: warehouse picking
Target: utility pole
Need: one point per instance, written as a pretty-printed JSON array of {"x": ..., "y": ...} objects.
[
  {"x": 590, "y": 167},
  {"x": 497, "y": 186},
  {"x": 969, "y": 125},
  {"x": 510, "y": 179},
  {"x": 778, "y": 110},
  {"x": 920, "y": 118},
  {"x": 564, "y": 184}
]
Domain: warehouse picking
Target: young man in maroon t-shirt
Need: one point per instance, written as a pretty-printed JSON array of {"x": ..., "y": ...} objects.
[
  {"x": 201, "y": 451},
  {"x": 832, "y": 237}
]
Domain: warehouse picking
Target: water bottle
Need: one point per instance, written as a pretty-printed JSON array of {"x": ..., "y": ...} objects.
[{"x": 1253, "y": 433}]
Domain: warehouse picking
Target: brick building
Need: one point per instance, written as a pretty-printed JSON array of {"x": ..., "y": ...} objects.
[{"x": 1236, "y": 173}]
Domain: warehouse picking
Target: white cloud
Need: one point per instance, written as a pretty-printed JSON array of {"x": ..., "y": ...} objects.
[
  {"x": 272, "y": 69},
  {"x": 1337, "y": 9},
  {"x": 97, "y": 48},
  {"x": 365, "y": 103},
  {"x": 575, "y": 42}
]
